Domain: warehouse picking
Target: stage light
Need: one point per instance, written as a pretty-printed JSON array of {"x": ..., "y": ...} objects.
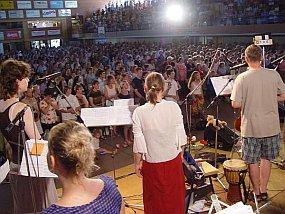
[{"x": 175, "y": 13}]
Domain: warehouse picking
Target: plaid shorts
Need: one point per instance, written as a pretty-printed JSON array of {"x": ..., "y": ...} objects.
[{"x": 255, "y": 148}]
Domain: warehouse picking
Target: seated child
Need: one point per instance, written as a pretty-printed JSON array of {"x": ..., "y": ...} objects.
[{"x": 96, "y": 139}]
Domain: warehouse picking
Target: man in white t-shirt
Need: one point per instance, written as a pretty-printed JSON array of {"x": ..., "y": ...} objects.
[
  {"x": 171, "y": 87},
  {"x": 67, "y": 112}
]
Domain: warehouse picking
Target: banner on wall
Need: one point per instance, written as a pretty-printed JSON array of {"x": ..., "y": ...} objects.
[
  {"x": 7, "y": 5},
  {"x": 24, "y": 4},
  {"x": 38, "y": 33},
  {"x": 33, "y": 13},
  {"x": 40, "y": 4},
  {"x": 2, "y": 36},
  {"x": 70, "y": 4},
  {"x": 49, "y": 13},
  {"x": 56, "y": 4},
  {"x": 3, "y": 14},
  {"x": 64, "y": 12},
  {"x": 53, "y": 32},
  {"x": 16, "y": 14},
  {"x": 13, "y": 35}
]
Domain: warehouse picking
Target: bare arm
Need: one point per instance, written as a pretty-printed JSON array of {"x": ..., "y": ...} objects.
[
  {"x": 91, "y": 101},
  {"x": 30, "y": 126},
  {"x": 86, "y": 104}
]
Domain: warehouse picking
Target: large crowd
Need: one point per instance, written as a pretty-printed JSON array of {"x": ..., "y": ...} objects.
[
  {"x": 96, "y": 75},
  {"x": 150, "y": 14}
]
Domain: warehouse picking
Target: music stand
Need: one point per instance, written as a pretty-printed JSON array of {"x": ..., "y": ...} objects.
[{"x": 221, "y": 86}]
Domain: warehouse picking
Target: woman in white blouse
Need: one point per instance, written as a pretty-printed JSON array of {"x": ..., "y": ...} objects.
[{"x": 158, "y": 136}]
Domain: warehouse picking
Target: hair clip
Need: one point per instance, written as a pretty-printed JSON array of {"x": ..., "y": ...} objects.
[{"x": 152, "y": 87}]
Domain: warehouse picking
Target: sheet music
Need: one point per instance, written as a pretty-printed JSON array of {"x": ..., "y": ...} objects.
[
  {"x": 122, "y": 115},
  {"x": 4, "y": 170},
  {"x": 124, "y": 102},
  {"x": 108, "y": 116},
  {"x": 92, "y": 116},
  {"x": 32, "y": 160},
  {"x": 237, "y": 209},
  {"x": 220, "y": 82}
]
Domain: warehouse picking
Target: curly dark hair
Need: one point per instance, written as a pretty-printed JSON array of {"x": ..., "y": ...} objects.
[{"x": 12, "y": 70}]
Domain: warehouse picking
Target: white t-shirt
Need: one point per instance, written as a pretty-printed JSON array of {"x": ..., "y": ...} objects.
[
  {"x": 62, "y": 104},
  {"x": 158, "y": 131},
  {"x": 172, "y": 91}
]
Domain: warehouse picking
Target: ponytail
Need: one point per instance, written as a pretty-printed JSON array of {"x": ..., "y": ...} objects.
[{"x": 154, "y": 84}]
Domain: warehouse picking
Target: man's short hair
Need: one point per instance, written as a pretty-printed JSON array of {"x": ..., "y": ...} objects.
[{"x": 253, "y": 53}]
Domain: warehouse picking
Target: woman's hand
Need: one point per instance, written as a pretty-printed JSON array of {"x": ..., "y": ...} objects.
[{"x": 138, "y": 169}]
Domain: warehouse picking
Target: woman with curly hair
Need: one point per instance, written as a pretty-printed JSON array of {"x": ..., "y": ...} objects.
[{"x": 14, "y": 82}]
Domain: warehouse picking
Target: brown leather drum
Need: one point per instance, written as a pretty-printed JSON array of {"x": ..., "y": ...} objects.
[{"x": 235, "y": 171}]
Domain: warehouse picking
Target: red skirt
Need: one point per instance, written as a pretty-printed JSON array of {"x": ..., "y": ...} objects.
[{"x": 164, "y": 187}]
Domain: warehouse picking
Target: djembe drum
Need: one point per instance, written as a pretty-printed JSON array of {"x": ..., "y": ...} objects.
[{"x": 235, "y": 171}]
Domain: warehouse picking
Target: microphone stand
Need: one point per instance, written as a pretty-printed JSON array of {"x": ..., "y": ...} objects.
[
  {"x": 22, "y": 138},
  {"x": 79, "y": 118},
  {"x": 189, "y": 95},
  {"x": 216, "y": 100}
]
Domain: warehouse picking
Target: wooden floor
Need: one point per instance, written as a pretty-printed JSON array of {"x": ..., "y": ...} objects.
[{"x": 130, "y": 187}]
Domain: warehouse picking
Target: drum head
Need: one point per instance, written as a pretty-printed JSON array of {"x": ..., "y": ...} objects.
[{"x": 235, "y": 165}]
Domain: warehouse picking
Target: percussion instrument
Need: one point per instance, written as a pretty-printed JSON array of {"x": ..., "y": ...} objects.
[{"x": 235, "y": 171}]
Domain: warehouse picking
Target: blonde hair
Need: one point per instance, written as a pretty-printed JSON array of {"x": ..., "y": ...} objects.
[
  {"x": 253, "y": 53},
  {"x": 71, "y": 144},
  {"x": 154, "y": 83}
]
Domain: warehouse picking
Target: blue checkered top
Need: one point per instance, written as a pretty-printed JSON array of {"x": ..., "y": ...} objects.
[{"x": 108, "y": 201}]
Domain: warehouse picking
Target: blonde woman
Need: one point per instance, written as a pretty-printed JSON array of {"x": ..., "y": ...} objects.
[
  {"x": 158, "y": 136},
  {"x": 71, "y": 157}
]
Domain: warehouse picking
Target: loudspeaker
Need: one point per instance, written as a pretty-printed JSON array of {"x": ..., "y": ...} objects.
[{"x": 226, "y": 137}]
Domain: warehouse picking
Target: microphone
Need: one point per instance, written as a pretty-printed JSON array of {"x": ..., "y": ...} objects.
[
  {"x": 238, "y": 66},
  {"x": 50, "y": 76}
]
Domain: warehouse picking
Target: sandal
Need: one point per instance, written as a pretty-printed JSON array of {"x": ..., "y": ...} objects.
[
  {"x": 251, "y": 197},
  {"x": 264, "y": 196}
]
